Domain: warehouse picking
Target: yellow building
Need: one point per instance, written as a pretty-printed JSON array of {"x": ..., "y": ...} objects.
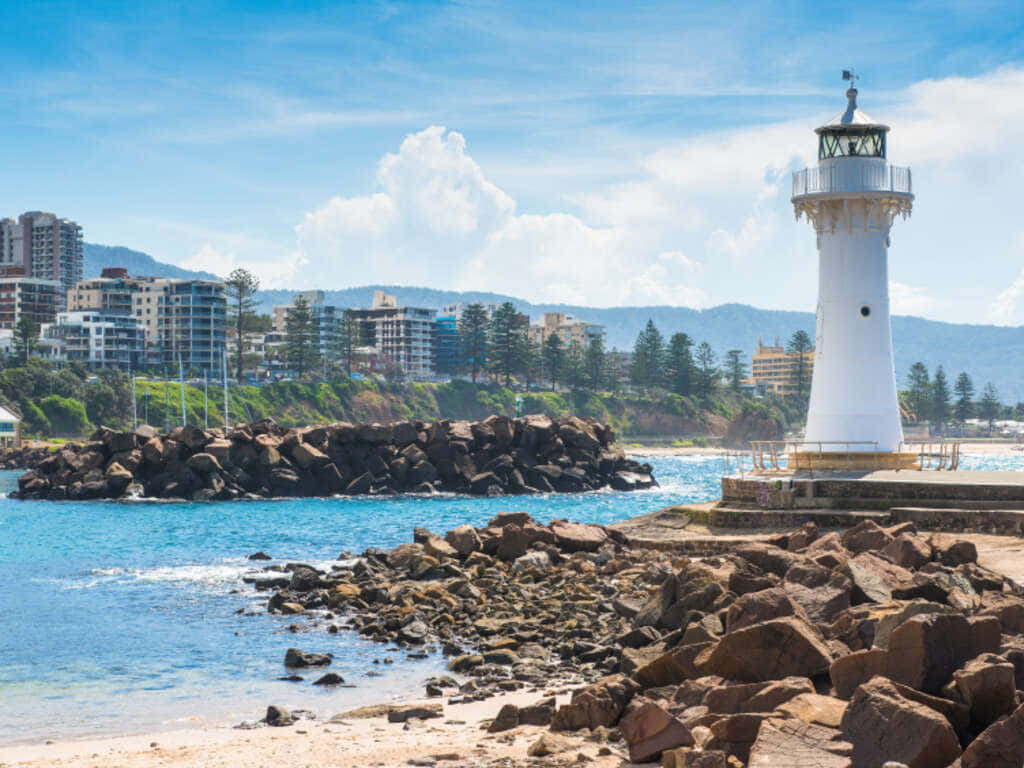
[
  {"x": 773, "y": 369},
  {"x": 568, "y": 328}
]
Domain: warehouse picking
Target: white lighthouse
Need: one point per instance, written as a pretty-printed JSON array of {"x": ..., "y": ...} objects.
[{"x": 851, "y": 198}]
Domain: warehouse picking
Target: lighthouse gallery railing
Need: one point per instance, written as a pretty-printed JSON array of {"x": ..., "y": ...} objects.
[{"x": 861, "y": 178}]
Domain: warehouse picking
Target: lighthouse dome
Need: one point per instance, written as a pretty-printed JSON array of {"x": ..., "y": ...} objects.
[{"x": 851, "y": 133}]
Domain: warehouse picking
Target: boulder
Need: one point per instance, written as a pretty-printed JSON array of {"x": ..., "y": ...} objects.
[
  {"x": 952, "y": 551},
  {"x": 506, "y": 719},
  {"x": 576, "y": 537},
  {"x": 755, "y": 607},
  {"x": 882, "y": 725},
  {"x": 864, "y": 537},
  {"x": 402, "y": 712},
  {"x": 986, "y": 685},
  {"x": 307, "y": 456},
  {"x": 821, "y": 594},
  {"x": 464, "y": 540},
  {"x": 296, "y": 658},
  {"x": 438, "y": 548},
  {"x": 649, "y": 730},
  {"x": 814, "y": 708},
  {"x": 278, "y": 717},
  {"x": 598, "y": 704},
  {"x": 684, "y": 757},
  {"x": 925, "y": 650},
  {"x": 874, "y": 579},
  {"x": 550, "y": 744},
  {"x": 794, "y": 743},
  {"x": 908, "y": 551},
  {"x": 768, "y": 558},
  {"x": 767, "y": 651},
  {"x": 1001, "y": 745}
]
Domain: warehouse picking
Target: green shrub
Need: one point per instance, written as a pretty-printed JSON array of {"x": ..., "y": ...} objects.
[{"x": 66, "y": 416}]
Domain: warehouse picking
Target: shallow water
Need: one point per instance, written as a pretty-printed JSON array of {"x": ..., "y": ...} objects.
[{"x": 121, "y": 618}]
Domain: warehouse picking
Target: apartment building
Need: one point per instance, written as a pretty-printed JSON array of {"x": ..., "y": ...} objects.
[
  {"x": 773, "y": 369},
  {"x": 97, "y": 339},
  {"x": 326, "y": 317},
  {"x": 20, "y": 297},
  {"x": 568, "y": 328},
  {"x": 183, "y": 319},
  {"x": 404, "y": 335},
  {"x": 41, "y": 245}
]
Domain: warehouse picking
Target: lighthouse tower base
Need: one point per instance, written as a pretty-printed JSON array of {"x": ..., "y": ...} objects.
[{"x": 852, "y": 461}]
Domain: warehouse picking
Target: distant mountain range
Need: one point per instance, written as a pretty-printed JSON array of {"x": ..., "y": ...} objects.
[{"x": 987, "y": 352}]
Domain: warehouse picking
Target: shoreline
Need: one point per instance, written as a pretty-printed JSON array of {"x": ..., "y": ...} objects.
[
  {"x": 455, "y": 739},
  {"x": 969, "y": 447}
]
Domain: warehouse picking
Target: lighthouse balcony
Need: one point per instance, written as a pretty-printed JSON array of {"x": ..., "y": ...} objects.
[{"x": 852, "y": 180}]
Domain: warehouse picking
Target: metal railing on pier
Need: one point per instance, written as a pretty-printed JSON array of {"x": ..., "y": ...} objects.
[{"x": 851, "y": 455}]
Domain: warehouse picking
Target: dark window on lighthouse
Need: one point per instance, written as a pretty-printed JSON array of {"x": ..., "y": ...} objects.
[
  {"x": 865, "y": 311},
  {"x": 847, "y": 143}
]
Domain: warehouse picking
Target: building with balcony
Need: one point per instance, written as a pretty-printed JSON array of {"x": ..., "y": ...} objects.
[
  {"x": 568, "y": 328},
  {"x": 40, "y": 245},
  {"x": 326, "y": 318},
  {"x": 20, "y": 297},
  {"x": 181, "y": 318},
  {"x": 404, "y": 335},
  {"x": 773, "y": 370},
  {"x": 97, "y": 339}
]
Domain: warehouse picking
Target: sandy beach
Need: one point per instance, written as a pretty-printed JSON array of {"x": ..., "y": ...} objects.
[{"x": 458, "y": 740}]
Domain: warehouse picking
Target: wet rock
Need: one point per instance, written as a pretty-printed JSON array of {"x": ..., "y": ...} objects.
[
  {"x": 403, "y": 712},
  {"x": 278, "y": 717},
  {"x": 329, "y": 679},
  {"x": 259, "y": 556},
  {"x": 300, "y": 659}
]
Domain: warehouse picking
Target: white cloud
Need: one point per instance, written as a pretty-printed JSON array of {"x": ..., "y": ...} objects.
[
  {"x": 698, "y": 221},
  {"x": 908, "y": 299}
]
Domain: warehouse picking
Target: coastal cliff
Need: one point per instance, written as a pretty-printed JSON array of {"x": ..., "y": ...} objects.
[{"x": 495, "y": 456}]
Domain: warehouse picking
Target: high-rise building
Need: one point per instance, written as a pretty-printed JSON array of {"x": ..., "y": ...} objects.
[
  {"x": 20, "y": 297},
  {"x": 404, "y": 335},
  {"x": 181, "y": 318},
  {"x": 446, "y": 344},
  {"x": 40, "y": 245}
]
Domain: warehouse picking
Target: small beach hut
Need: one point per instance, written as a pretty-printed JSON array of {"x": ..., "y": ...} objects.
[{"x": 10, "y": 428}]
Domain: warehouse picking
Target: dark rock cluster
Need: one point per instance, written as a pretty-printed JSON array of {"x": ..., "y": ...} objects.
[
  {"x": 259, "y": 460},
  {"x": 25, "y": 457},
  {"x": 854, "y": 649}
]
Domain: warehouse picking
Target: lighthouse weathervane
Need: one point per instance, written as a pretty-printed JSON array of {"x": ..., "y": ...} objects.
[{"x": 851, "y": 199}]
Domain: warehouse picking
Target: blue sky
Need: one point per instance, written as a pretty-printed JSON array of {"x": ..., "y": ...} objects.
[{"x": 588, "y": 152}]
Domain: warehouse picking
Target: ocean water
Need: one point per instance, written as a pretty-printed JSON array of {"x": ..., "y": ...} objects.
[{"x": 119, "y": 618}]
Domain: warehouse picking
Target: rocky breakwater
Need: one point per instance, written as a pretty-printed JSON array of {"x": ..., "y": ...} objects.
[
  {"x": 838, "y": 651},
  {"x": 25, "y": 457},
  {"x": 496, "y": 456}
]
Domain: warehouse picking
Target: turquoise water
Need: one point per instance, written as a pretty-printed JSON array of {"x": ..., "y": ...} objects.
[{"x": 122, "y": 617}]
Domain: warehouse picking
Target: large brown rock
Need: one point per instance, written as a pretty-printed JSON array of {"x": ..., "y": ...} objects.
[
  {"x": 464, "y": 540},
  {"x": 908, "y": 551},
  {"x": 576, "y": 537},
  {"x": 794, "y": 743},
  {"x": 925, "y": 650},
  {"x": 864, "y": 537},
  {"x": 849, "y": 672},
  {"x": 767, "y": 651},
  {"x": 755, "y": 607},
  {"x": 884, "y": 726},
  {"x": 986, "y": 685},
  {"x": 768, "y": 558},
  {"x": 598, "y": 704},
  {"x": 821, "y": 594},
  {"x": 874, "y": 579},
  {"x": 1001, "y": 745},
  {"x": 649, "y": 730}
]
